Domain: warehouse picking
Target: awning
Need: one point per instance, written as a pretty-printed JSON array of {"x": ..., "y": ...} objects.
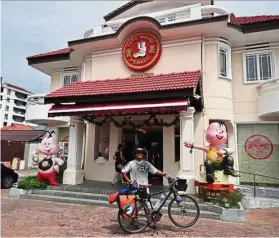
[
  {"x": 23, "y": 136},
  {"x": 125, "y": 108}
]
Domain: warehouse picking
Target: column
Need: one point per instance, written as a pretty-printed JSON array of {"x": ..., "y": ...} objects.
[
  {"x": 169, "y": 165},
  {"x": 115, "y": 138},
  {"x": 74, "y": 174},
  {"x": 186, "y": 158}
]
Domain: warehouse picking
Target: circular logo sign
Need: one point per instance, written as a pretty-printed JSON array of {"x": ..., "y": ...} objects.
[
  {"x": 141, "y": 51},
  {"x": 258, "y": 147}
]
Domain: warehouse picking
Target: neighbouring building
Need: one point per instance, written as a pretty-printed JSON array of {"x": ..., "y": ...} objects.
[
  {"x": 154, "y": 75},
  {"x": 12, "y": 104},
  {"x": 19, "y": 141}
]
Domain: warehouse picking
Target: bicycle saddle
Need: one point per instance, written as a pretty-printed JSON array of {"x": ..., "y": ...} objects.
[{"x": 146, "y": 186}]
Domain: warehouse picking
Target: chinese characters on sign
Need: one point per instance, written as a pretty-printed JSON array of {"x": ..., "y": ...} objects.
[
  {"x": 258, "y": 147},
  {"x": 141, "y": 51}
]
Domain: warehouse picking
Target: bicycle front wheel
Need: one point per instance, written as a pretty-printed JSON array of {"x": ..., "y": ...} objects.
[
  {"x": 137, "y": 224},
  {"x": 186, "y": 214}
]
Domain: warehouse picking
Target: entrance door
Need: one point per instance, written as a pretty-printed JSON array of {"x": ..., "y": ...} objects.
[{"x": 150, "y": 139}]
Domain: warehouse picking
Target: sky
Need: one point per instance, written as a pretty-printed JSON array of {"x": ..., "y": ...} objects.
[{"x": 32, "y": 27}]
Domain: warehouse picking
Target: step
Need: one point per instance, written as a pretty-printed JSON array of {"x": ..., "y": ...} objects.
[
  {"x": 102, "y": 197},
  {"x": 97, "y": 191},
  {"x": 267, "y": 192},
  {"x": 203, "y": 214}
]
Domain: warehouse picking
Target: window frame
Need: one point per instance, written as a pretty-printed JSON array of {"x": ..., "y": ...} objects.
[
  {"x": 68, "y": 74},
  {"x": 227, "y": 48},
  {"x": 258, "y": 53}
]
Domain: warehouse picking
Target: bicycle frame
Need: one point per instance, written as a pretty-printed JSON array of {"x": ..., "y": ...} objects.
[{"x": 170, "y": 191}]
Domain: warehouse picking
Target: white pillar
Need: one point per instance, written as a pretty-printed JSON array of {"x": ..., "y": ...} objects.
[
  {"x": 186, "y": 159},
  {"x": 169, "y": 165},
  {"x": 115, "y": 138},
  {"x": 73, "y": 174}
]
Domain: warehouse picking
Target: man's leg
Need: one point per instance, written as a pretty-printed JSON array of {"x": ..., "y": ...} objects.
[
  {"x": 228, "y": 163},
  {"x": 39, "y": 177},
  {"x": 209, "y": 168},
  {"x": 52, "y": 179}
]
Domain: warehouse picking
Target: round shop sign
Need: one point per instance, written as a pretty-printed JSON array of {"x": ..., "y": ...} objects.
[
  {"x": 258, "y": 147},
  {"x": 141, "y": 51}
]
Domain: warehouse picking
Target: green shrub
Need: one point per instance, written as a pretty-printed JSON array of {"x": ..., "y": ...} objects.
[
  {"x": 234, "y": 197},
  {"x": 31, "y": 182},
  {"x": 226, "y": 199}
]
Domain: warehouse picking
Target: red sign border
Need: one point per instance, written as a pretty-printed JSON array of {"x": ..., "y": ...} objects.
[
  {"x": 266, "y": 139},
  {"x": 156, "y": 57}
]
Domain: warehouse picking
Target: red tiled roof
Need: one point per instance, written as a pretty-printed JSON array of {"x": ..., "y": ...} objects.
[
  {"x": 27, "y": 135},
  {"x": 252, "y": 19},
  {"x": 16, "y": 87},
  {"x": 161, "y": 82},
  {"x": 55, "y": 52},
  {"x": 16, "y": 127}
]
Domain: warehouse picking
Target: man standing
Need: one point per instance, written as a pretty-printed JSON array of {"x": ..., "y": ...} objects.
[{"x": 139, "y": 169}]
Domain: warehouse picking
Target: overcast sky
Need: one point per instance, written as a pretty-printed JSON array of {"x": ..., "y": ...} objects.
[{"x": 29, "y": 27}]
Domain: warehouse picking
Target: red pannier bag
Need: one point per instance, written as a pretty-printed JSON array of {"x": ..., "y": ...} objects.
[
  {"x": 112, "y": 198},
  {"x": 127, "y": 203}
]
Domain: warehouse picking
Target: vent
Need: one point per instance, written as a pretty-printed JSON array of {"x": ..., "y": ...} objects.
[
  {"x": 69, "y": 69},
  {"x": 265, "y": 45}
]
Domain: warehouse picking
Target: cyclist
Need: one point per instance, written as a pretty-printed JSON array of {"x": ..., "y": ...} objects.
[{"x": 139, "y": 169}]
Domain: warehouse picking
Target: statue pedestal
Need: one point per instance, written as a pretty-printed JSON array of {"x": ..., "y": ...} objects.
[{"x": 222, "y": 182}]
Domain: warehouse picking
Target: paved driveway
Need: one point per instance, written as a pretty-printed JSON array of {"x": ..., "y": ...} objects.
[{"x": 23, "y": 217}]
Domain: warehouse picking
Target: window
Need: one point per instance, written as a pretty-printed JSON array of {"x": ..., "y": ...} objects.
[
  {"x": 5, "y": 123},
  {"x": 7, "y": 108},
  {"x": 8, "y": 100},
  {"x": 9, "y": 92},
  {"x": 67, "y": 79},
  {"x": 171, "y": 18},
  {"x": 258, "y": 66},
  {"x": 6, "y": 117},
  {"x": 224, "y": 61}
]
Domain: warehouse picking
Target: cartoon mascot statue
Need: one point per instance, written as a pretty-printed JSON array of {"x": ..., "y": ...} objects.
[
  {"x": 48, "y": 168},
  {"x": 217, "y": 157}
]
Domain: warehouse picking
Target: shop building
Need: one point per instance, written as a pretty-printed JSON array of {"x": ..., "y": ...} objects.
[{"x": 155, "y": 75}]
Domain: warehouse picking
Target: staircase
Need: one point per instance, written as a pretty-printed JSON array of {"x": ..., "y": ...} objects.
[{"x": 98, "y": 197}]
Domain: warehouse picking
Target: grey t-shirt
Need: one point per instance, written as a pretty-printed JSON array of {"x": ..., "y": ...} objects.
[{"x": 139, "y": 171}]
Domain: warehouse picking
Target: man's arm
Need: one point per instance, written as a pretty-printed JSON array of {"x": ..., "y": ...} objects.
[
  {"x": 153, "y": 170},
  {"x": 162, "y": 174},
  {"x": 127, "y": 168}
]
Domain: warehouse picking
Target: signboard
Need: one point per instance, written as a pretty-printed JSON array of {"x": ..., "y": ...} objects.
[
  {"x": 258, "y": 147},
  {"x": 141, "y": 51}
]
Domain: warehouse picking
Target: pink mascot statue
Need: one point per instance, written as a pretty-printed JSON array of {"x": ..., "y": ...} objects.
[
  {"x": 48, "y": 168},
  {"x": 217, "y": 157}
]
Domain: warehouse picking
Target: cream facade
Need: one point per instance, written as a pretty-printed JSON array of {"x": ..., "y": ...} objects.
[{"x": 219, "y": 51}]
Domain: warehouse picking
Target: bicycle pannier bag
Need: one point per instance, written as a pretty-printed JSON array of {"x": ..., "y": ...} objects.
[
  {"x": 127, "y": 204},
  {"x": 113, "y": 197}
]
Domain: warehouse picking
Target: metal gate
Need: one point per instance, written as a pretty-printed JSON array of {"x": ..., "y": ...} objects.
[
  {"x": 258, "y": 151},
  {"x": 11, "y": 149}
]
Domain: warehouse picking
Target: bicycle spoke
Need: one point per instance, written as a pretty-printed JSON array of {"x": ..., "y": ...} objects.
[{"x": 186, "y": 214}]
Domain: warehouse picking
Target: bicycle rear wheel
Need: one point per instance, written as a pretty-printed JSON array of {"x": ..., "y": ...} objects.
[
  {"x": 138, "y": 224},
  {"x": 189, "y": 210}
]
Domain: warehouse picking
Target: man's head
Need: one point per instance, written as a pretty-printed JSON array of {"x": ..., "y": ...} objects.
[{"x": 140, "y": 154}]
